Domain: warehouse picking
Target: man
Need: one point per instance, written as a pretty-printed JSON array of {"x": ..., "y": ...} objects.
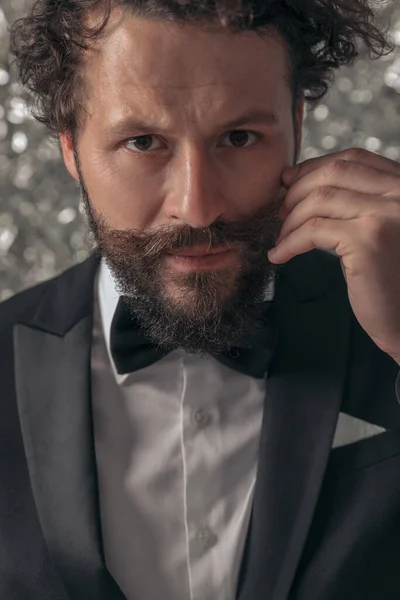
[{"x": 186, "y": 415}]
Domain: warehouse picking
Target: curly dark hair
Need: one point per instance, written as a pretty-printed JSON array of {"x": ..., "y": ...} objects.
[{"x": 321, "y": 35}]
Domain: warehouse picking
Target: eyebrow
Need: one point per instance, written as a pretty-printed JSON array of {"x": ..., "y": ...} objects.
[{"x": 254, "y": 116}]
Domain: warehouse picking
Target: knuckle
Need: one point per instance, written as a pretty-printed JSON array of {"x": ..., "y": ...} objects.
[
  {"x": 329, "y": 192},
  {"x": 336, "y": 168},
  {"x": 315, "y": 222},
  {"x": 324, "y": 192},
  {"x": 355, "y": 154}
]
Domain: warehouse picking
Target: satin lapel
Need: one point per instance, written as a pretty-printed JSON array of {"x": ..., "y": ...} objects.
[
  {"x": 52, "y": 362},
  {"x": 303, "y": 398}
]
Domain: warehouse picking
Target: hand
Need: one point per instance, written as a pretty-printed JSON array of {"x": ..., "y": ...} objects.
[{"x": 349, "y": 202}]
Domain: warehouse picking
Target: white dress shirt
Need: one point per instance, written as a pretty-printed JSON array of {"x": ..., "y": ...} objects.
[{"x": 177, "y": 449}]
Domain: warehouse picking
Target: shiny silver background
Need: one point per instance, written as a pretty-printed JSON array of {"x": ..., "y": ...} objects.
[{"x": 42, "y": 231}]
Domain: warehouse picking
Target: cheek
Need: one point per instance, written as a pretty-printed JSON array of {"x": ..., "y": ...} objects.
[
  {"x": 260, "y": 184},
  {"x": 126, "y": 197}
]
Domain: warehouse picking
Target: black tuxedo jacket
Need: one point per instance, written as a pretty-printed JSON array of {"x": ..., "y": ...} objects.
[{"x": 325, "y": 522}]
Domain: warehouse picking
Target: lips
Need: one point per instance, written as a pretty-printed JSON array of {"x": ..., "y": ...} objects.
[{"x": 200, "y": 251}]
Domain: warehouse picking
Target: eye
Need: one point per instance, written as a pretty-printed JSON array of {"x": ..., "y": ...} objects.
[
  {"x": 240, "y": 137},
  {"x": 143, "y": 143}
]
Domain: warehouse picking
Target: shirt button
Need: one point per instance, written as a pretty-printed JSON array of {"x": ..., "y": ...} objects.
[
  {"x": 206, "y": 537},
  {"x": 200, "y": 417}
]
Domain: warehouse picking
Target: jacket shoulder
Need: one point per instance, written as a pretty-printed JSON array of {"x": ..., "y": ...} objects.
[{"x": 24, "y": 304}]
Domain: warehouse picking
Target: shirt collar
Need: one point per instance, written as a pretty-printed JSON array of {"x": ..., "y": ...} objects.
[{"x": 108, "y": 300}]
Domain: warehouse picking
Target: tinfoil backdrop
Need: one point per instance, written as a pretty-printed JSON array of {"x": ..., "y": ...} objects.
[{"x": 42, "y": 230}]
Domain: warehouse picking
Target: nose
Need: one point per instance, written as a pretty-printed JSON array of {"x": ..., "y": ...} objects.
[{"x": 194, "y": 192}]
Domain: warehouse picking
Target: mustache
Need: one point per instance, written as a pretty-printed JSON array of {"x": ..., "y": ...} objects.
[{"x": 261, "y": 228}]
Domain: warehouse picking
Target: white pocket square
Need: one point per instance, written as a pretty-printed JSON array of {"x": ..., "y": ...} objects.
[{"x": 350, "y": 429}]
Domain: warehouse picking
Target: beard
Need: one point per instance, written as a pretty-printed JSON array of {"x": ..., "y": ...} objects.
[{"x": 199, "y": 311}]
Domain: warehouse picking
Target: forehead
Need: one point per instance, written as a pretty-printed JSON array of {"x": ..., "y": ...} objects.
[{"x": 141, "y": 61}]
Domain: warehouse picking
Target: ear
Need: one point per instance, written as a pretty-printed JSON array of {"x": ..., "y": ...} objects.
[{"x": 67, "y": 149}]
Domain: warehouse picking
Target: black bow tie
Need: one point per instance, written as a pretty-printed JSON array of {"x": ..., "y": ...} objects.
[{"x": 131, "y": 350}]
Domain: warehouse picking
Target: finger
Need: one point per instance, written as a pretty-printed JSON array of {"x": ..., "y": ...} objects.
[
  {"x": 356, "y": 155},
  {"x": 326, "y": 234},
  {"x": 345, "y": 175},
  {"x": 336, "y": 203}
]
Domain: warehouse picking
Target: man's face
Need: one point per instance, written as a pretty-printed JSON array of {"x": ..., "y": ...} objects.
[{"x": 163, "y": 168}]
